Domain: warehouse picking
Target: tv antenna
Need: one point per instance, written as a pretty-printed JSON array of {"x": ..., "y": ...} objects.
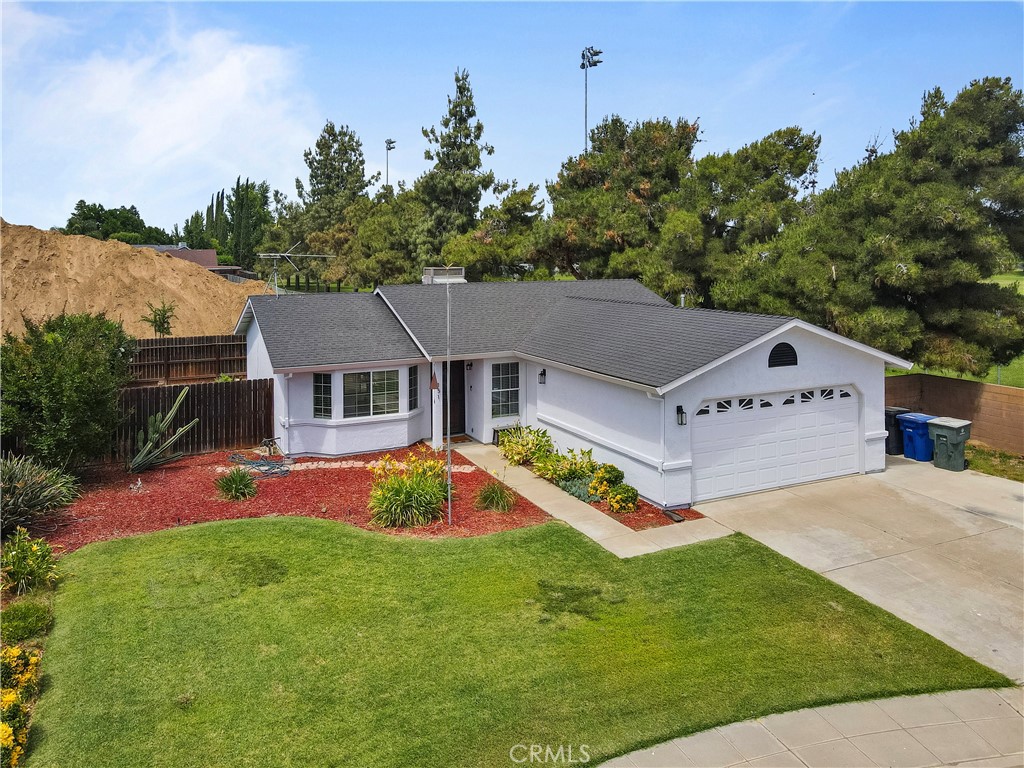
[{"x": 276, "y": 259}]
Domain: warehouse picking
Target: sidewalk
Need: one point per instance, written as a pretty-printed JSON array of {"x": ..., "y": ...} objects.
[
  {"x": 977, "y": 728},
  {"x": 609, "y": 533}
]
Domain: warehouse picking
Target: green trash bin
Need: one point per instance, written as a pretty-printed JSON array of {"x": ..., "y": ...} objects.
[{"x": 949, "y": 436}]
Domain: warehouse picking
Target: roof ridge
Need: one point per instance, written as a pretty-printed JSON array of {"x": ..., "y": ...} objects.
[
  {"x": 662, "y": 305},
  {"x": 736, "y": 312}
]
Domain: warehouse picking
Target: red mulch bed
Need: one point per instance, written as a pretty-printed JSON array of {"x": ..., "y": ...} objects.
[
  {"x": 183, "y": 493},
  {"x": 646, "y": 516}
]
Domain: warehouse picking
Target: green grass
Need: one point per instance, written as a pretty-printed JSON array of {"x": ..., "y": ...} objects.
[
  {"x": 1011, "y": 375},
  {"x": 993, "y": 462},
  {"x": 300, "y": 642},
  {"x": 1009, "y": 278}
]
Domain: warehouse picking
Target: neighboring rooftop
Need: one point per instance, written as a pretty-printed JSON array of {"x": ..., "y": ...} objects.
[
  {"x": 643, "y": 343},
  {"x": 314, "y": 329},
  {"x": 489, "y": 318},
  {"x": 204, "y": 257}
]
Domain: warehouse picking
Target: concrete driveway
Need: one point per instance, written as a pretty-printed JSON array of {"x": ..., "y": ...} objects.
[{"x": 941, "y": 550}]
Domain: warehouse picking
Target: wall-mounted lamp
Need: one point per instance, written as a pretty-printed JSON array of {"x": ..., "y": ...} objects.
[
  {"x": 469, "y": 366},
  {"x": 542, "y": 376},
  {"x": 680, "y": 416}
]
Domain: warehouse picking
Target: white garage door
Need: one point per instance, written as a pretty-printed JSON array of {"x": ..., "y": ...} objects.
[{"x": 743, "y": 444}]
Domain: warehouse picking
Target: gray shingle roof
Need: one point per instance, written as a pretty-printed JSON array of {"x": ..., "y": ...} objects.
[
  {"x": 615, "y": 328},
  {"x": 643, "y": 343},
  {"x": 495, "y": 317},
  {"x": 330, "y": 329}
]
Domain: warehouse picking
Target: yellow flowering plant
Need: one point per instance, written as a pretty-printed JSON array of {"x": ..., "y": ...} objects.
[
  {"x": 622, "y": 498},
  {"x": 27, "y": 563},
  {"x": 19, "y": 671},
  {"x": 606, "y": 477}
]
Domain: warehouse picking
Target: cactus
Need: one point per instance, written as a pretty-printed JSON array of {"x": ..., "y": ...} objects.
[{"x": 152, "y": 454}]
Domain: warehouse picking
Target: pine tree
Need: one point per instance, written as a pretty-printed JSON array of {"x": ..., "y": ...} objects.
[
  {"x": 896, "y": 252},
  {"x": 453, "y": 187}
]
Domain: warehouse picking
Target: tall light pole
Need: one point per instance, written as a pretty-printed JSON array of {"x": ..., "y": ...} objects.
[
  {"x": 590, "y": 60},
  {"x": 389, "y": 144}
]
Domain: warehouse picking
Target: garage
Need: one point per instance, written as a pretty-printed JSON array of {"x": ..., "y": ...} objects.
[{"x": 763, "y": 441}]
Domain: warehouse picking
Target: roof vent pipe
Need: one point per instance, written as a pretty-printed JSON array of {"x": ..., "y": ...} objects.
[{"x": 682, "y": 299}]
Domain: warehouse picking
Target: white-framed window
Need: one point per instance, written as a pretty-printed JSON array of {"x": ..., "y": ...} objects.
[
  {"x": 414, "y": 387},
  {"x": 370, "y": 393},
  {"x": 322, "y": 397},
  {"x": 504, "y": 389}
]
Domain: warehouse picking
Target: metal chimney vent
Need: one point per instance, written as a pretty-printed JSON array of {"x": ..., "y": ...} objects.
[{"x": 444, "y": 275}]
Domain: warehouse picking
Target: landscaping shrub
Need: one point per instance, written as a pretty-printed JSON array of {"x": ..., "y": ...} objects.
[
  {"x": 26, "y": 564},
  {"x": 28, "y": 489},
  {"x": 524, "y": 445},
  {"x": 580, "y": 488},
  {"x": 61, "y": 383},
  {"x": 606, "y": 477},
  {"x": 410, "y": 493},
  {"x": 622, "y": 498},
  {"x": 24, "y": 619},
  {"x": 19, "y": 670},
  {"x": 496, "y": 496},
  {"x": 569, "y": 466},
  {"x": 236, "y": 484}
]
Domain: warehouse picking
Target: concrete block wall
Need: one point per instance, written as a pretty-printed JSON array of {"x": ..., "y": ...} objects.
[{"x": 997, "y": 411}]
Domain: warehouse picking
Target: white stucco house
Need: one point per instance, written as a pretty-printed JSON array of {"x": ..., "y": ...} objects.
[{"x": 692, "y": 404}]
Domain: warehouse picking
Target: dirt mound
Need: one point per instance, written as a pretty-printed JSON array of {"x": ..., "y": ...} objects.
[{"x": 45, "y": 273}]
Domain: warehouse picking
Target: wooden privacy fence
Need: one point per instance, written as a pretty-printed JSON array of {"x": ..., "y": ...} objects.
[
  {"x": 187, "y": 359},
  {"x": 997, "y": 411},
  {"x": 232, "y": 414}
]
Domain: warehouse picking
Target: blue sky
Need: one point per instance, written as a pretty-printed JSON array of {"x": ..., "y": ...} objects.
[{"x": 158, "y": 105}]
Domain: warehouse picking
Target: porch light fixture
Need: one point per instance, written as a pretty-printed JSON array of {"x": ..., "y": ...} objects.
[
  {"x": 680, "y": 416},
  {"x": 542, "y": 377},
  {"x": 469, "y": 366}
]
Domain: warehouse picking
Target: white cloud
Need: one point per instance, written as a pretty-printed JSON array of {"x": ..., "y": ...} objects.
[
  {"x": 159, "y": 122},
  {"x": 25, "y": 30}
]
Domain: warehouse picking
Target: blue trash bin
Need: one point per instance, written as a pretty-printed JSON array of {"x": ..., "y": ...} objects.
[{"x": 917, "y": 444}]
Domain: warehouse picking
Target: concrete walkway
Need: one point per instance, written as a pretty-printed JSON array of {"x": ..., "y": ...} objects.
[
  {"x": 617, "y": 538},
  {"x": 976, "y": 728}
]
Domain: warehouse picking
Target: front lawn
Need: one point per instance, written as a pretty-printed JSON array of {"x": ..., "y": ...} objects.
[{"x": 305, "y": 642}]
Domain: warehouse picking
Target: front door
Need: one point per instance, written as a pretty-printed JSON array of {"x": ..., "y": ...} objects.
[{"x": 458, "y": 397}]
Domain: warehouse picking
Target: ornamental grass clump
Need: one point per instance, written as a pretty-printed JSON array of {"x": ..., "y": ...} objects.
[
  {"x": 236, "y": 485},
  {"x": 409, "y": 493},
  {"x": 496, "y": 496},
  {"x": 25, "y": 619},
  {"x": 27, "y": 564},
  {"x": 622, "y": 499},
  {"x": 606, "y": 477},
  {"x": 28, "y": 489},
  {"x": 525, "y": 445}
]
